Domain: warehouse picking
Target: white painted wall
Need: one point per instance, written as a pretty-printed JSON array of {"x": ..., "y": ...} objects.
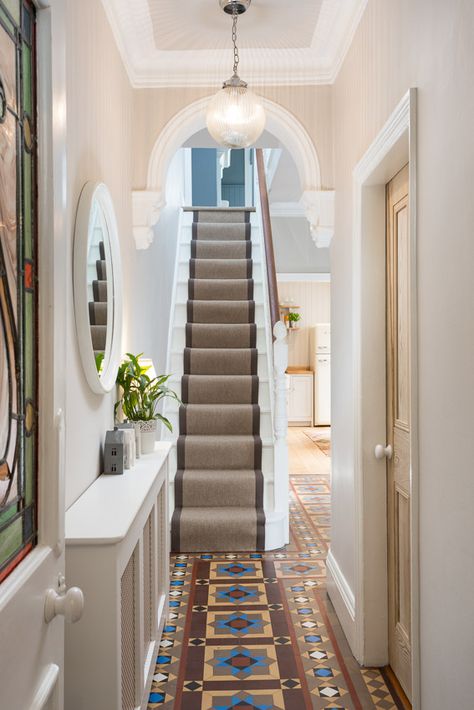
[
  {"x": 314, "y": 300},
  {"x": 99, "y": 148},
  {"x": 156, "y": 267},
  {"x": 426, "y": 44},
  {"x": 295, "y": 250}
]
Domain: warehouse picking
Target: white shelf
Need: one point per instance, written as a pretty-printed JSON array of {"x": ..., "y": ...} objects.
[{"x": 106, "y": 511}]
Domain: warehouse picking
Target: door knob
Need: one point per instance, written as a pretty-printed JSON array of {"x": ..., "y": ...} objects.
[
  {"x": 383, "y": 452},
  {"x": 64, "y": 602}
]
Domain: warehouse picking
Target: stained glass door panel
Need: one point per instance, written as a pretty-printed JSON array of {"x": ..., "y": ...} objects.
[{"x": 18, "y": 284}]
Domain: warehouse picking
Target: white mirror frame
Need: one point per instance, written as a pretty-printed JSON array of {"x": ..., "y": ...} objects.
[{"x": 92, "y": 193}]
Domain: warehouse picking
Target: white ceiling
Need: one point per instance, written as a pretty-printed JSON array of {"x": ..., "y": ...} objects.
[
  {"x": 208, "y": 28},
  {"x": 188, "y": 42}
]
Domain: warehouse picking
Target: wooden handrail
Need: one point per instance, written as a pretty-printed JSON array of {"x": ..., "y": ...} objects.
[{"x": 268, "y": 240}]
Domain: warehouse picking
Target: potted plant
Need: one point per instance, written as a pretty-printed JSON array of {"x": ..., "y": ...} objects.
[
  {"x": 293, "y": 318},
  {"x": 140, "y": 396}
]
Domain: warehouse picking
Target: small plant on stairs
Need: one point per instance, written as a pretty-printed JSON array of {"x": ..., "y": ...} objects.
[{"x": 140, "y": 396}]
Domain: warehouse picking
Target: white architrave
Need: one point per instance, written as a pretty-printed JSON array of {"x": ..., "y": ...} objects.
[
  {"x": 394, "y": 147},
  {"x": 281, "y": 123}
]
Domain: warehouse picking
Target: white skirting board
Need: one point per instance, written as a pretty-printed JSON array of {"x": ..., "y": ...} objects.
[
  {"x": 276, "y": 530},
  {"x": 342, "y": 598}
]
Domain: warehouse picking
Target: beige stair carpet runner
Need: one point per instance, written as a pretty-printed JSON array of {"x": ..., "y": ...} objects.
[{"x": 219, "y": 482}]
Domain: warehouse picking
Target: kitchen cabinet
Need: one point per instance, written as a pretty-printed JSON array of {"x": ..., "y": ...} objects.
[{"x": 300, "y": 398}]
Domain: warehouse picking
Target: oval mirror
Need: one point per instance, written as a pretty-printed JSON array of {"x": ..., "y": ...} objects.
[{"x": 98, "y": 287}]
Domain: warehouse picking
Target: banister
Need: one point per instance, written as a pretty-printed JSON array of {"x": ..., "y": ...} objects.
[{"x": 268, "y": 239}]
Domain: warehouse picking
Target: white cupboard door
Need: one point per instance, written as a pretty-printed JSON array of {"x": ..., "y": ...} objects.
[
  {"x": 33, "y": 272},
  {"x": 300, "y": 408}
]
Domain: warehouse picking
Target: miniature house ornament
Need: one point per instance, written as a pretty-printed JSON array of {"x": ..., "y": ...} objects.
[{"x": 114, "y": 450}]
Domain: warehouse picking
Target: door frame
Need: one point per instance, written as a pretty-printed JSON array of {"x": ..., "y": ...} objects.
[
  {"x": 52, "y": 318},
  {"x": 393, "y": 148}
]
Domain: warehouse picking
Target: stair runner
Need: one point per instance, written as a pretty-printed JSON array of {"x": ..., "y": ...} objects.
[
  {"x": 219, "y": 482},
  {"x": 98, "y": 307}
]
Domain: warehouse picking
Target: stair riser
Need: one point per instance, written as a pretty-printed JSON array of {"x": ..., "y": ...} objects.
[
  {"x": 267, "y": 468},
  {"x": 223, "y": 453},
  {"x": 176, "y": 364},
  {"x": 265, "y": 424},
  {"x": 268, "y": 496},
  {"x": 185, "y": 253},
  {"x": 263, "y": 393},
  {"x": 181, "y": 315},
  {"x": 179, "y": 340},
  {"x": 182, "y": 291},
  {"x": 220, "y": 362},
  {"x": 183, "y": 274},
  {"x": 227, "y": 490}
]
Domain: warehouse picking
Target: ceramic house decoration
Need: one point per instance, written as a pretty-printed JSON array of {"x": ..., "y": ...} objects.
[{"x": 114, "y": 450}]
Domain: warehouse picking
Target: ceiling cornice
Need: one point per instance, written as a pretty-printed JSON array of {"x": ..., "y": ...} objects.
[{"x": 148, "y": 67}]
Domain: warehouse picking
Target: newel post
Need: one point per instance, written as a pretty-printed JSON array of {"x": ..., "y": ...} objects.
[{"x": 280, "y": 364}]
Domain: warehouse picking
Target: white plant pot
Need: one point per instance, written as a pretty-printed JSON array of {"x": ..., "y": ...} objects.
[{"x": 148, "y": 436}]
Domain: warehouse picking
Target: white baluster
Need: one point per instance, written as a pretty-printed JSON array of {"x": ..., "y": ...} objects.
[{"x": 280, "y": 364}]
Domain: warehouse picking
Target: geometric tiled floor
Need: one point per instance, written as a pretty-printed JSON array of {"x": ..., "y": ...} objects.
[{"x": 258, "y": 630}]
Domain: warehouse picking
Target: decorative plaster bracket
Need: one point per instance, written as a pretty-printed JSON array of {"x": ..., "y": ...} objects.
[
  {"x": 319, "y": 211},
  {"x": 146, "y": 208}
]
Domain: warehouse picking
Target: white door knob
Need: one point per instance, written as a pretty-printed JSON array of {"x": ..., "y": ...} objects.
[
  {"x": 383, "y": 452},
  {"x": 68, "y": 603}
]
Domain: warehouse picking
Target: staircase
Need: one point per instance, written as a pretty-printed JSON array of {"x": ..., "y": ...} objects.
[
  {"x": 219, "y": 483},
  {"x": 98, "y": 304},
  {"x": 228, "y": 353}
]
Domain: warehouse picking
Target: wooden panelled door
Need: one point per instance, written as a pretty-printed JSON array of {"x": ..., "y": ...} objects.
[{"x": 399, "y": 429}]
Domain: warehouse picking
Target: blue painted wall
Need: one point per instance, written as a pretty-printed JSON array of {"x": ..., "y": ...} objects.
[
  {"x": 233, "y": 180},
  {"x": 204, "y": 175}
]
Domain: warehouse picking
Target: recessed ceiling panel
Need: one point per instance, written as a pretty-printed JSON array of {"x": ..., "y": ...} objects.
[
  {"x": 180, "y": 25},
  {"x": 188, "y": 42}
]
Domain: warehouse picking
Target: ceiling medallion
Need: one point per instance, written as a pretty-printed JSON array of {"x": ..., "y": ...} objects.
[{"x": 235, "y": 117}]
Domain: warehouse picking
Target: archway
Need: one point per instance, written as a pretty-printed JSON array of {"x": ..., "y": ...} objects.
[{"x": 318, "y": 204}]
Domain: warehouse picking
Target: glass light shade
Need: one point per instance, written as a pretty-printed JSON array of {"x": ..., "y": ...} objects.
[{"x": 235, "y": 117}]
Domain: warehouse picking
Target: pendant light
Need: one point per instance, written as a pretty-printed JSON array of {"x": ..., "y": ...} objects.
[{"x": 235, "y": 117}]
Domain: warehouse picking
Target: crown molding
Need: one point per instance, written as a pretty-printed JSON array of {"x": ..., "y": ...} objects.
[{"x": 316, "y": 65}]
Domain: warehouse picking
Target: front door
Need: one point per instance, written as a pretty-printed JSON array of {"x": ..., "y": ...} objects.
[
  {"x": 31, "y": 508},
  {"x": 399, "y": 429}
]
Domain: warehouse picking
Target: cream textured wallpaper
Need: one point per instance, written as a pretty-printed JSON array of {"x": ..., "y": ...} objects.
[
  {"x": 425, "y": 44},
  {"x": 153, "y": 108},
  {"x": 99, "y": 148}
]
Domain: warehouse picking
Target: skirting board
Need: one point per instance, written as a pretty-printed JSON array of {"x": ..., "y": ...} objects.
[{"x": 342, "y": 598}]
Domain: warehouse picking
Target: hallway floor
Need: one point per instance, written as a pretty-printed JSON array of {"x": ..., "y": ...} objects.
[{"x": 258, "y": 630}]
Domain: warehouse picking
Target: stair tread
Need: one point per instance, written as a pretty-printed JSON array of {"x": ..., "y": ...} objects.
[{"x": 221, "y": 437}]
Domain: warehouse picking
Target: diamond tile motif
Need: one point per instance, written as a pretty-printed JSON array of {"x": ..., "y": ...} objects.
[
  {"x": 237, "y": 594},
  {"x": 240, "y": 663},
  {"x": 239, "y": 624}
]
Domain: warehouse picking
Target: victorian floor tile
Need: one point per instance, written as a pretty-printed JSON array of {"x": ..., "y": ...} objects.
[{"x": 257, "y": 631}]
